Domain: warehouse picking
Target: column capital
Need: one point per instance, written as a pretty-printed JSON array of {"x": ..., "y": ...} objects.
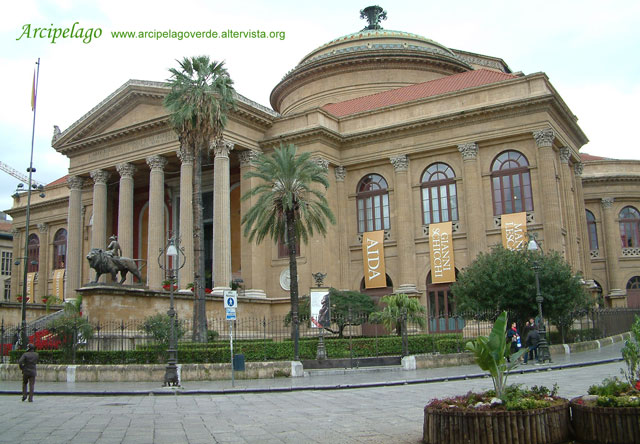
[
  {"x": 607, "y": 202},
  {"x": 544, "y": 137},
  {"x": 400, "y": 163},
  {"x": 75, "y": 182},
  {"x": 100, "y": 176},
  {"x": 156, "y": 162},
  {"x": 322, "y": 163},
  {"x": 186, "y": 156},
  {"x": 565, "y": 154},
  {"x": 578, "y": 167},
  {"x": 247, "y": 157},
  {"x": 43, "y": 227},
  {"x": 341, "y": 173},
  {"x": 223, "y": 148},
  {"x": 468, "y": 150},
  {"x": 126, "y": 170}
]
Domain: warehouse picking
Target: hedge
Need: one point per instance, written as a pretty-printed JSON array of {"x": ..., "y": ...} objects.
[{"x": 259, "y": 350}]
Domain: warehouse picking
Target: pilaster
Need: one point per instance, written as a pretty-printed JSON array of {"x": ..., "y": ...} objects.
[
  {"x": 342, "y": 221},
  {"x": 43, "y": 262},
  {"x": 548, "y": 182},
  {"x": 99, "y": 225},
  {"x": 613, "y": 246},
  {"x": 475, "y": 221},
  {"x": 404, "y": 229}
]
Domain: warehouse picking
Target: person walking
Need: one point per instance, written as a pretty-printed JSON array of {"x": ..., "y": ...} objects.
[
  {"x": 513, "y": 337},
  {"x": 27, "y": 363}
]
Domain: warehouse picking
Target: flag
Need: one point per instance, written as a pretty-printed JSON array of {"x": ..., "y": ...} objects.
[{"x": 33, "y": 92}]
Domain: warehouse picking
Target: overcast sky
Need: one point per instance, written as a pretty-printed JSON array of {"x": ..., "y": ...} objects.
[{"x": 589, "y": 49}]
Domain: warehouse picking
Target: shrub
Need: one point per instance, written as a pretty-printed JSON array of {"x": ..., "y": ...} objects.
[{"x": 159, "y": 328}]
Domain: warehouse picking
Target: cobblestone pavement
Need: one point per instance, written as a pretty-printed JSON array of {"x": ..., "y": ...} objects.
[{"x": 374, "y": 414}]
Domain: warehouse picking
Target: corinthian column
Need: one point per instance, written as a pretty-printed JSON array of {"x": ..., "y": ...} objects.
[
  {"x": 613, "y": 247},
  {"x": 74, "y": 237},
  {"x": 404, "y": 226},
  {"x": 475, "y": 224},
  {"x": 156, "y": 220},
  {"x": 253, "y": 256},
  {"x": 99, "y": 226},
  {"x": 569, "y": 208},
  {"x": 551, "y": 211},
  {"x": 584, "y": 251},
  {"x": 125, "y": 211},
  {"x": 221, "y": 218},
  {"x": 185, "y": 275}
]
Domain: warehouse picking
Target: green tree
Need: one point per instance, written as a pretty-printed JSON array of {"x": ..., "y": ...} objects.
[
  {"x": 159, "y": 328},
  {"x": 71, "y": 328},
  {"x": 290, "y": 205},
  {"x": 200, "y": 98},
  {"x": 396, "y": 306},
  {"x": 347, "y": 308},
  {"x": 505, "y": 280}
]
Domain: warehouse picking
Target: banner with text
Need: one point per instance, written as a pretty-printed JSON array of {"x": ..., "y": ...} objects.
[
  {"x": 58, "y": 284},
  {"x": 514, "y": 230},
  {"x": 31, "y": 281},
  {"x": 443, "y": 268},
  {"x": 373, "y": 257}
]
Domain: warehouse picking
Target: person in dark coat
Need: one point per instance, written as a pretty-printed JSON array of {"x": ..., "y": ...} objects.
[
  {"x": 532, "y": 340},
  {"x": 513, "y": 337},
  {"x": 27, "y": 363}
]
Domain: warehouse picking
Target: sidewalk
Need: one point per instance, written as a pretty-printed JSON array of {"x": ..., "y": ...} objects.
[{"x": 316, "y": 379}]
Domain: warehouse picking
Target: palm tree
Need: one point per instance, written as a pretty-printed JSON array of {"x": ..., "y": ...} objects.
[
  {"x": 201, "y": 95},
  {"x": 397, "y": 306},
  {"x": 289, "y": 206}
]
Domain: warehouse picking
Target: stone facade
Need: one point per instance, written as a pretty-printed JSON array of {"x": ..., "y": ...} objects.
[{"x": 383, "y": 103}]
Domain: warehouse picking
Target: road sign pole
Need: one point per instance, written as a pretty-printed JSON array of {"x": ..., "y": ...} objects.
[{"x": 231, "y": 341}]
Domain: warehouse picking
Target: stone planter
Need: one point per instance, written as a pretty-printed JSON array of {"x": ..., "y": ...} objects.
[
  {"x": 605, "y": 425},
  {"x": 538, "y": 426}
]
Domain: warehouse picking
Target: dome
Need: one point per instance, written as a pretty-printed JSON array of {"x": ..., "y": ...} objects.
[{"x": 363, "y": 63}]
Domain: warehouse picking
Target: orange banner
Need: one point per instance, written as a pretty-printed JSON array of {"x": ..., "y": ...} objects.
[
  {"x": 514, "y": 230},
  {"x": 373, "y": 257},
  {"x": 58, "y": 284},
  {"x": 31, "y": 280},
  {"x": 443, "y": 268}
]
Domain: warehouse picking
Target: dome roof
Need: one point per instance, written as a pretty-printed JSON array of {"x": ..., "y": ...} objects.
[{"x": 362, "y": 63}]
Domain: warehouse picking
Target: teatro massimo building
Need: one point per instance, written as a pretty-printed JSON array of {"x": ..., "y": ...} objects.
[{"x": 417, "y": 138}]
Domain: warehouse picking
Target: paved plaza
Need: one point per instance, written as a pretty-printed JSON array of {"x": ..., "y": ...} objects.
[{"x": 379, "y": 407}]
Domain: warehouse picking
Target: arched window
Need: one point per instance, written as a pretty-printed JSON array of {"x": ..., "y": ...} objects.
[
  {"x": 630, "y": 227},
  {"x": 593, "y": 233},
  {"x": 60, "y": 249},
  {"x": 633, "y": 292},
  {"x": 439, "y": 198},
  {"x": 373, "y": 204},
  {"x": 33, "y": 252},
  {"x": 511, "y": 184}
]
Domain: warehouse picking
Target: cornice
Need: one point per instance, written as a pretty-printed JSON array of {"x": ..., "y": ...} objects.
[
  {"x": 17, "y": 211},
  {"x": 307, "y": 133},
  {"x": 611, "y": 178}
]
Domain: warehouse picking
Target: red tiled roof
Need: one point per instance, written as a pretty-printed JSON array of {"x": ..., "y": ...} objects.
[
  {"x": 5, "y": 226},
  {"x": 586, "y": 157},
  {"x": 405, "y": 94},
  {"x": 63, "y": 179}
]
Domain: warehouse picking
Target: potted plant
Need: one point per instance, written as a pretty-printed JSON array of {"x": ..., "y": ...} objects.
[
  {"x": 611, "y": 411},
  {"x": 506, "y": 414},
  {"x": 166, "y": 284},
  {"x": 19, "y": 298}
]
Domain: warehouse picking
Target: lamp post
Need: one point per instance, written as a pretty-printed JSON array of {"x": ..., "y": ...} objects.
[
  {"x": 543, "y": 347},
  {"x": 172, "y": 259}
]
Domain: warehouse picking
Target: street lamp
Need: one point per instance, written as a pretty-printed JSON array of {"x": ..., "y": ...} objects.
[
  {"x": 172, "y": 259},
  {"x": 543, "y": 347}
]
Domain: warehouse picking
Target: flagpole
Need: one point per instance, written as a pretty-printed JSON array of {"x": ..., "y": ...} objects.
[{"x": 24, "y": 338}]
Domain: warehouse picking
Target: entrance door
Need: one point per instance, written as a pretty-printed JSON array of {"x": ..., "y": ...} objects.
[{"x": 441, "y": 310}]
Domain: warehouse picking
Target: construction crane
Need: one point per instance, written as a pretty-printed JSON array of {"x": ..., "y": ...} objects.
[{"x": 18, "y": 175}]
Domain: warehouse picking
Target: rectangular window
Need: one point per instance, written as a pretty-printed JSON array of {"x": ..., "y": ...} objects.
[
  {"x": 385, "y": 211},
  {"x": 444, "y": 204},
  {"x": 435, "y": 205},
  {"x": 426, "y": 207},
  {"x": 7, "y": 289},
  {"x": 369, "y": 210},
  {"x": 377, "y": 213},
  {"x": 453, "y": 202},
  {"x": 360, "y": 216},
  {"x": 6, "y": 263},
  {"x": 497, "y": 196}
]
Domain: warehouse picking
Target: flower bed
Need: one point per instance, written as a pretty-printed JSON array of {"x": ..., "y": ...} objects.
[
  {"x": 452, "y": 425},
  {"x": 594, "y": 424}
]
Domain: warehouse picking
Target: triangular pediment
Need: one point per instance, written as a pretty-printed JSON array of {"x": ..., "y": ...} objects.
[{"x": 134, "y": 103}]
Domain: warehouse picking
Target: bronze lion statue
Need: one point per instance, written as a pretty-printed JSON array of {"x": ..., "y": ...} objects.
[{"x": 103, "y": 262}]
